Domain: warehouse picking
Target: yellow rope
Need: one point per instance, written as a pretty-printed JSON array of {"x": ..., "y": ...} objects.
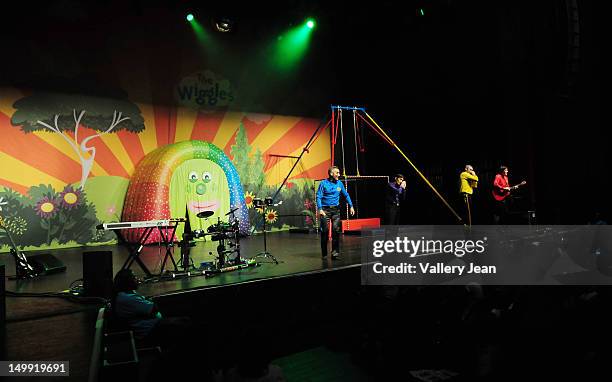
[{"x": 414, "y": 167}]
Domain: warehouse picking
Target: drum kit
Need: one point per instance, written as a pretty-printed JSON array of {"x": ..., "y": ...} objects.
[
  {"x": 226, "y": 233},
  {"x": 228, "y": 237}
]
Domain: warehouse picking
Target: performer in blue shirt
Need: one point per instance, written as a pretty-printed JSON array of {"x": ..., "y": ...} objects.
[
  {"x": 328, "y": 205},
  {"x": 395, "y": 193}
]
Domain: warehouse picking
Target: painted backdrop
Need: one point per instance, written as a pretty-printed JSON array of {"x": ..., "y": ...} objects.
[{"x": 66, "y": 161}]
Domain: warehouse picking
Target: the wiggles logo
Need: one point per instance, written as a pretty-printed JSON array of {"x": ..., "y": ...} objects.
[{"x": 204, "y": 89}]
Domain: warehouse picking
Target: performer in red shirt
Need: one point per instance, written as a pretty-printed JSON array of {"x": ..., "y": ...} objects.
[{"x": 501, "y": 192}]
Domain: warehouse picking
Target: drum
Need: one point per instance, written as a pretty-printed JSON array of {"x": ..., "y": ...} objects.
[{"x": 220, "y": 227}]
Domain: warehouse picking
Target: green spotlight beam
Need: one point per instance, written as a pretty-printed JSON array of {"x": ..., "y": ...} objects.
[
  {"x": 203, "y": 37},
  {"x": 292, "y": 47}
]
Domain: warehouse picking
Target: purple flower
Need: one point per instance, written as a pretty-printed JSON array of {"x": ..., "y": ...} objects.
[
  {"x": 46, "y": 207},
  {"x": 70, "y": 197}
]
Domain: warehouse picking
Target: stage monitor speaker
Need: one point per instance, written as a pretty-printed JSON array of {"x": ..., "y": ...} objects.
[
  {"x": 98, "y": 274},
  {"x": 46, "y": 264}
]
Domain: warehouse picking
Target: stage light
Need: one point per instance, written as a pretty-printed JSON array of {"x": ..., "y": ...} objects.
[
  {"x": 224, "y": 25},
  {"x": 189, "y": 17},
  {"x": 420, "y": 12},
  {"x": 292, "y": 45}
]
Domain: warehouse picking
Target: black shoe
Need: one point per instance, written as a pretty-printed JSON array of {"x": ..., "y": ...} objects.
[{"x": 335, "y": 255}]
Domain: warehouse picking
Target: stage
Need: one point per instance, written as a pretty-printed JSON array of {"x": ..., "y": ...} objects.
[{"x": 297, "y": 254}]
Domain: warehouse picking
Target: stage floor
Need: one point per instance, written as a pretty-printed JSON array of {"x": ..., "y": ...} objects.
[{"x": 296, "y": 253}]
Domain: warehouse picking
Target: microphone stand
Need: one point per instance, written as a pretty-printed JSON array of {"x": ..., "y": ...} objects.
[
  {"x": 313, "y": 137},
  {"x": 265, "y": 252}
]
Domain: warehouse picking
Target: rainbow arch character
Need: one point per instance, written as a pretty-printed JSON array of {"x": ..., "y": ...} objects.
[{"x": 193, "y": 175}]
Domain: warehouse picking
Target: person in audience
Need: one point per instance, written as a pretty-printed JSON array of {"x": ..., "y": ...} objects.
[{"x": 141, "y": 315}]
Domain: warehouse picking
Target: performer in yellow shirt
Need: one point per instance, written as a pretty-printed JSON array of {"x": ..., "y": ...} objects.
[{"x": 469, "y": 181}]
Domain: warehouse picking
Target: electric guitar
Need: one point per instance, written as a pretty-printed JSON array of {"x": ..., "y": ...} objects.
[
  {"x": 23, "y": 269},
  {"x": 501, "y": 195}
]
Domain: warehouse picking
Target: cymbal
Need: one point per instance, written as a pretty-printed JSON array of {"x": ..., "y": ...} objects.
[
  {"x": 232, "y": 211},
  {"x": 205, "y": 214}
]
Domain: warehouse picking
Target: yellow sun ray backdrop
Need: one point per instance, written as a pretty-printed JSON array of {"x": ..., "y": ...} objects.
[{"x": 66, "y": 161}]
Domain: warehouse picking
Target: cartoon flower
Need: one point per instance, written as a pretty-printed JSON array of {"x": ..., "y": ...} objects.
[
  {"x": 271, "y": 216},
  {"x": 309, "y": 220},
  {"x": 46, "y": 207},
  {"x": 248, "y": 199},
  {"x": 308, "y": 204},
  {"x": 70, "y": 197},
  {"x": 17, "y": 225},
  {"x": 290, "y": 185}
]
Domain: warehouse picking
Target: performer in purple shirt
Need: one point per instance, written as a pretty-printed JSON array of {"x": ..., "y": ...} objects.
[{"x": 395, "y": 193}]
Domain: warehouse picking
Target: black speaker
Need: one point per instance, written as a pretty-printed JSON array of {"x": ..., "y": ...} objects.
[
  {"x": 46, "y": 264},
  {"x": 98, "y": 274}
]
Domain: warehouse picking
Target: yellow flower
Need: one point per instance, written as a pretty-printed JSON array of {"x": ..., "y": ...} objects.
[
  {"x": 271, "y": 216},
  {"x": 248, "y": 199}
]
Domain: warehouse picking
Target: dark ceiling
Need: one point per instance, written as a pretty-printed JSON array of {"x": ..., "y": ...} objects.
[{"x": 480, "y": 81}]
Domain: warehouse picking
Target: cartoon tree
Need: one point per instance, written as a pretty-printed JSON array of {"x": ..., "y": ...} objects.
[
  {"x": 240, "y": 154},
  {"x": 257, "y": 174},
  {"x": 250, "y": 167},
  {"x": 60, "y": 113}
]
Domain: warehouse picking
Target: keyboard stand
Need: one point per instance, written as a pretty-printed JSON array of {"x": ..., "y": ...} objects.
[
  {"x": 169, "y": 242},
  {"x": 135, "y": 249}
]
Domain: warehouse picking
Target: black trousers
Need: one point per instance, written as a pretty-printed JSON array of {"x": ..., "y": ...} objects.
[
  {"x": 467, "y": 208},
  {"x": 392, "y": 214},
  {"x": 500, "y": 214},
  {"x": 333, "y": 215}
]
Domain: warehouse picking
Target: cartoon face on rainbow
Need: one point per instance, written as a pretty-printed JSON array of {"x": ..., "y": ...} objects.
[{"x": 189, "y": 176}]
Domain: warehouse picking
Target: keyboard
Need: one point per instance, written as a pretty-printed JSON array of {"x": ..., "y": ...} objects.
[{"x": 141, "y": 224}]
